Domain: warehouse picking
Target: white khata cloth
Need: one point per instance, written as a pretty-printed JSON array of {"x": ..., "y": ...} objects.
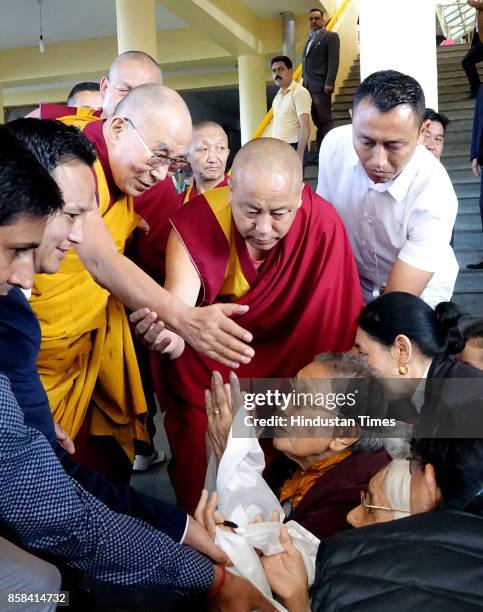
[{"x": 242, "y": 494}]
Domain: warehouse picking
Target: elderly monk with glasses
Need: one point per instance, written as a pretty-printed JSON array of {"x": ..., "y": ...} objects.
[{"x": 87, "y": 360}]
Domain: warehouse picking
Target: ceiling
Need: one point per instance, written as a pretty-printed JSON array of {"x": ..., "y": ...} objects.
[
  {"x": 68, "y": 20},
  {"x": 271, "y": 8},
  {"x": 65, "y": 20}
]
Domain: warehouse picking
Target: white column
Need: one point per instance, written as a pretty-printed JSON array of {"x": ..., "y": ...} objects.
[
  {"x": 136, "y": 26},
  {"x": 401, "y": 37},
  {"x": 252, "y": 92}
]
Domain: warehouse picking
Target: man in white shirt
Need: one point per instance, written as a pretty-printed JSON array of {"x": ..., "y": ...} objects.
[
  {"x": 291, "y": 107},
  {"x": 395, "y": 198}
]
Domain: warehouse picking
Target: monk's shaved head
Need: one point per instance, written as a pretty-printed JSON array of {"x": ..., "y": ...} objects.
[
  {"x": 265, "y": 193},
  {"x": 268, "y": 156},
  {"x": 140, "y": 58},
  {"x": 208, "y": 154},
  {"x": 207, "y": 125},
  {"x": 146, "y": 100},
  {"x": 127, "y": 71}
]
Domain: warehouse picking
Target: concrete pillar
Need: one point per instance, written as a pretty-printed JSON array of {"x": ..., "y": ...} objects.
[
  {"x": 2, "y": 110},
  {"x": 288, "y": 29},
  {"x": 253, "y": 93},
  {"x": 400, "y": 37},
  {"x": 136, "y": 26}
]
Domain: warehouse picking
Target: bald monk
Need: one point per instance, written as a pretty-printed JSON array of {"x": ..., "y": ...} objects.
[
  {"x": 269, "y": 242},
  {"x": 87, "y": 361},
  {"x": 207, "y": 155},
  {"x": 129, "y": 70}
]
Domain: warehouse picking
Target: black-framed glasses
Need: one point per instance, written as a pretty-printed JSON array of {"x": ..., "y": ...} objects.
[
  {"x": 156, "y": 160},
  {"x": 366, "y": 506}
]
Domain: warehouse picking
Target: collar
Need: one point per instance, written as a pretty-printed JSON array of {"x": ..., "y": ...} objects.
[
  {"x": 399, "y": 186},
  {"x": 315, "y": 33},
  {"x": 418, "y": 397},
  {"x": 94, "y": 133},
  {"x": 291, "y": 87}
]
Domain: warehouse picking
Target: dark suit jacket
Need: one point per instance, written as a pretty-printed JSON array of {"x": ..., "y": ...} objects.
[
  {"x": 450, "y": 386},
  {"x": 321, "y": 62},
  {"x": 19, "y": 347}
]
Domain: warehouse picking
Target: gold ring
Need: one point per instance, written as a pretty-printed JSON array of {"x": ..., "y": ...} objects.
[{"x": 215, "y": 412}]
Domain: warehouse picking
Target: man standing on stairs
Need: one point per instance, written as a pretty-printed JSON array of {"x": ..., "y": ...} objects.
[
  {"x": 477, "y": 159},
  {"x": 395, "y": 198},
  {"x": 320, "y": 63},
  {"x": 291, "y": 107},
  {"x": 475, "y": 54}
]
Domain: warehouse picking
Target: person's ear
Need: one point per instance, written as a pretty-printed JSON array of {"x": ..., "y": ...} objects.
[
  {"x": 103, "y": 85},
  {"x": 434, "y": 492},
  {"x": 300, "y": 196},
  {"x": 115, "y": 127},
  {"x": 423, "y": 129},
  {"x": 402, "y": 350},
  {"x": 341, "y": 444}
]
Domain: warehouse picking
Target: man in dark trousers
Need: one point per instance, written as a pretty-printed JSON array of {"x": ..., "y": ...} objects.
[
  {"x": 475, "y": 54},
  {"x": 320, "y": 62},
  {"x": 477, "y": 158}
]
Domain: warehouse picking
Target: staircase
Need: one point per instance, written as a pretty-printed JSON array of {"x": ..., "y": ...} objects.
[{"x": 453, "y": 91}]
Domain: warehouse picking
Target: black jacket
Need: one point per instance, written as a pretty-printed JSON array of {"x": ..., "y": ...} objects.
[
  {"x": 431, "y": 562},
  {"x": 321, "y": 62},
  {"x": 450, "y": 386}
]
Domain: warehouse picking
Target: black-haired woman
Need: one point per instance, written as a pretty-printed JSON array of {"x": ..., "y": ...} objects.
[{"x": 413, "y": 347}]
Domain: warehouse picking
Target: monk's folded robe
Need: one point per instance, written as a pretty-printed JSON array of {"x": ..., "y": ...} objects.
[
  {"x": 87, "y": 361},
  {"x": 304, "y": 300},
  {"x": 190, "y": 193}
]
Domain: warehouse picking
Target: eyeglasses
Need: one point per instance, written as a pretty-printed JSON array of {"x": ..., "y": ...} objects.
[
  {"x": 159, "y": 159},
  {"x": 366, "y": 506}
]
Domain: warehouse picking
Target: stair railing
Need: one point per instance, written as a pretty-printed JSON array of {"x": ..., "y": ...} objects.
[{"x": 298, "y": 72}]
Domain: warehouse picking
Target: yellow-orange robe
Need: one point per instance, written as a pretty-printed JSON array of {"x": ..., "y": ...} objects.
[{"x": 87, "y": 360}]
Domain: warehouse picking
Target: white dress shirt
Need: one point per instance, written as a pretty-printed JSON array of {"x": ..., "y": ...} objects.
[{"x": 410, "y": 217}]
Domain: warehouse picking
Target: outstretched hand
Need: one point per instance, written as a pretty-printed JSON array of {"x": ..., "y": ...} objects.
[{"x": 211, "y": 331}]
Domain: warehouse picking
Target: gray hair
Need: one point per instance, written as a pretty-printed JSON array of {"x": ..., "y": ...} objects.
[
  {"x": 398, "y": 486},
  {"x": 348, "y": 374}
]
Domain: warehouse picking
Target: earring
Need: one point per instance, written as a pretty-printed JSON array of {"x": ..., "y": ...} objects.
[{"x": 403, "y": 369}]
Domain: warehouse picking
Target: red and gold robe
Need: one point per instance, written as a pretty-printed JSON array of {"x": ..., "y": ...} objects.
[
  {"x": 304, "y": 300},
  {"x": 190, "y": 193}
]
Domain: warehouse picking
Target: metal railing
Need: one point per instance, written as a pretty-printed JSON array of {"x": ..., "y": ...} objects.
[
  {"x": 457, "y": 19},
  {"x": 298, "y": 72}
]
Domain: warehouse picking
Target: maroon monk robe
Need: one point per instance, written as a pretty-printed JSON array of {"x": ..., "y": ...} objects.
[
  {"x": 190, "y": 193},
  {"x": 304, "y": 300}
]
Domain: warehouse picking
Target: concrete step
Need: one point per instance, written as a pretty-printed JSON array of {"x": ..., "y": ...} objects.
[
  {"x": 466, "y": 103},
  {"x": 468, "y": 221},
  {"x": 456, "y": 149},
  {"x": 457, "y": 176},
  {"x": 311, "y": 172},
  {"x": 468, "y": 239},
  {"x": 469, "y": 302},
  {"x": 456, "y": 162},
  {"x": 468, "y": 204},
  {"x": 460, "y": 115},
  {"x": 470, "y": 280},
  {"x": 459, "y": 123},
  {"x": 460, "y": 136},
  {"x": 467, "y": 189},
  {"x": 468, "y": 256}
]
